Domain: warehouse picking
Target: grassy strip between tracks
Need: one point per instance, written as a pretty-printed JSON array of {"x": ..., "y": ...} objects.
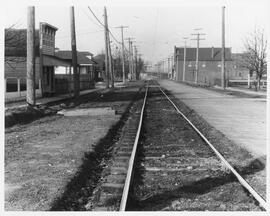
[{"x": 49, "y": 159}]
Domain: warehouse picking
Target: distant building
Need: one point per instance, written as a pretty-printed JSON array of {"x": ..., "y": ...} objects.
[
  {"x": 86, "y": 63},
  {"x": 209, "y": 65},
  {"x": 239, "y": 72},
  {"x": 86, "y": 68},
  {"x": 100, "y": 59}
]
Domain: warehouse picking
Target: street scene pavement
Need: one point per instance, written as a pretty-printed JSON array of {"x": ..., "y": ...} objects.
[{"x": 242, "y": 120}]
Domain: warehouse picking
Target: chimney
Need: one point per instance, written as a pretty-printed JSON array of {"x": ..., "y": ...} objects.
[{"x": 212, "y": 52}]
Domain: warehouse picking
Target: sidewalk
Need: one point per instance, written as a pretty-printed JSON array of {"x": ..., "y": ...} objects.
[
  {"x": 20, "y": 102},
  {"x": 39, "y": 101},
  {"x": 246, "y": 91},
  {"x": 243, "y": 120}
]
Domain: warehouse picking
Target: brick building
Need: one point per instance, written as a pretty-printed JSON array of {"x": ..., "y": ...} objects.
[{"x": 209, "y": 65}]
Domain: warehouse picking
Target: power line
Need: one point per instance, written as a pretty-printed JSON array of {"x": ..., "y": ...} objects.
[
  {"x": 123, "y": 51},
  {"x": 197, "y": 51},
  {"x": 113, "y": 36},
  {"x": 92, "y": 12},
  {"x": 80, "y": 33},
  {"x": 96, "y": 16},
  {"x": 103, "y": 25},
  {"x": 90, "y": 18}
]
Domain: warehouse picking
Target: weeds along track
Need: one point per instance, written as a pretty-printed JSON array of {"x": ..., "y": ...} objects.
[
  {"x": 79, "y": 190},
  {"x": 108, "y": 194},
  {"x": 174, "y": 168}
]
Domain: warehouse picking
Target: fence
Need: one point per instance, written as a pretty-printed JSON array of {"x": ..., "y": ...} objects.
[
  {"x": 64, "y": 83},
  {"x": 232, "y": 83}
]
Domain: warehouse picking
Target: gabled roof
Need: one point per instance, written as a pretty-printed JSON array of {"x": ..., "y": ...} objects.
[
  {"x": 81, "y": 56},
  {"x": 205, "y": 54},
  {"x": 15, "y": 45},
  {"x": 100, "y": 58}
]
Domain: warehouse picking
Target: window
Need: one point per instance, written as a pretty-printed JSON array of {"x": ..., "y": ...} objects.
[{"x": 203, "y": 64}]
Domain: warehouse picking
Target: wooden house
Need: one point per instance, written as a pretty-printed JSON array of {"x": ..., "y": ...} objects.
[{"x": 48, "y": 63}]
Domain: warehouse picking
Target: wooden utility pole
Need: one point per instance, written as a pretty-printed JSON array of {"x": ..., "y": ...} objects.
[
  {"x": 169, "y": 67},
  {"x": 172, "y": 65},
  {"x": 223, "y": 75},
  {"x": 106, "y": 48},
  {"x": 123, "y": 52},
  {"x": 109, "y": 52},
  {"x": 176, "y": 67},
  {"x": 197, "y": 53},
  {"x": 139, "y": 65},
  {"x": 185, "y": 56},
  {"x": 41, "y": 76},
  {"x": 110, "y": 61},
  {"x": 30, "y": 83},
  {"x": 132, "y": 60},
  {"x": 161, "y": 68},
  {"x": 176, "y": 63},
  {"x": 130, "y": 57},
  {"x": 76, "y": 78},
  {"x": 164, "y": 62},
  {"x": 158, "y": 70},
  {"x": 136, "y": 63}
]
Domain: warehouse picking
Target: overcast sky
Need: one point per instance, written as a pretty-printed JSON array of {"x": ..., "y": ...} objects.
[{"x": 156, "y": 26}]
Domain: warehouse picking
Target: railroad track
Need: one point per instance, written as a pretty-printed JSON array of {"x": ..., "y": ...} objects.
[{"x": 175, "y": 161}]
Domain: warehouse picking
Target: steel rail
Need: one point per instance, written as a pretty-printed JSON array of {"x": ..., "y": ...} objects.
[
  {"x": 132, "y": 157},
  {"x": 243, "y": 182}
]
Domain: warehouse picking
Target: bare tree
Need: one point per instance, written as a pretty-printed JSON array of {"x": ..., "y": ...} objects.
[
  {"x": 255, "y": 55},
  {"x": 117, "y": 55},
  {"x": 14, "y": 45},
  {"x": 141, "y": 67}
]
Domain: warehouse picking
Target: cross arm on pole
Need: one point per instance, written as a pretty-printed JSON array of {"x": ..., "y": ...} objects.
[{"x": 122, "y": 26}]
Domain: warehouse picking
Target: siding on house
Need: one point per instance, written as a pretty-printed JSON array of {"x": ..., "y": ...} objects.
[
  {"x": 47, "y": 34},
  {"x": 17, "y": 69},
  {"x": 15, "y": 61},
  {"x": 47, "y": 50}
]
